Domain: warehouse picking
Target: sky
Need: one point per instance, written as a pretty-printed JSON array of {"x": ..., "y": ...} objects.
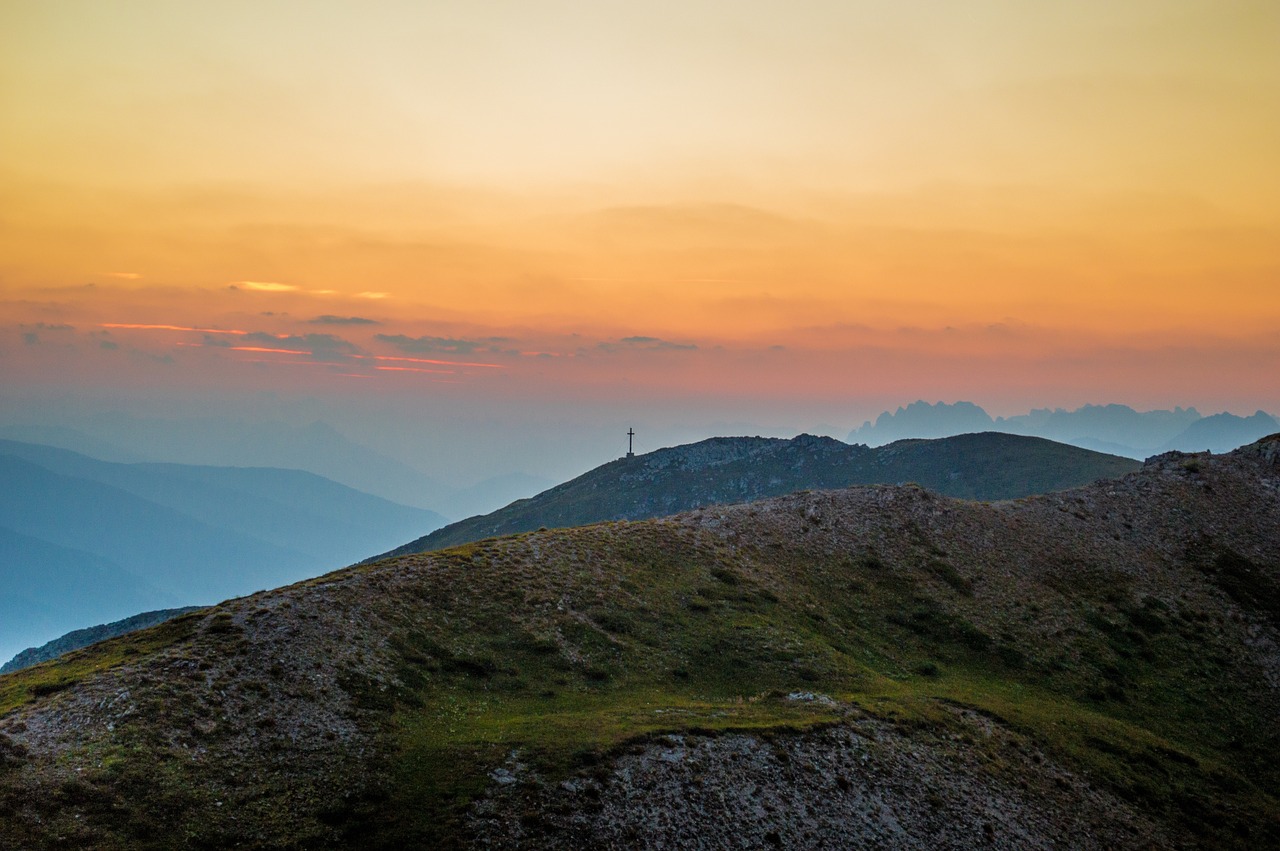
[{"x": 506, "y": 229}]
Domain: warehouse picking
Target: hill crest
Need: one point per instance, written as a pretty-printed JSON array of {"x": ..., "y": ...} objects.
[{"x": 721, "y": 470}]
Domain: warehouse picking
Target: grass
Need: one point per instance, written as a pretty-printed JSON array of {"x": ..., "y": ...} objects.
[
  {"x": 46, "y": 678},
  {"x": 686, "y": 635}
]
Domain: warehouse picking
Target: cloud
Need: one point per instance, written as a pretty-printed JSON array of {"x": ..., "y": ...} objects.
[
  {"x": 437, "y": 345},
  {"x": 330, "y": 319},
  {"x": 646, "y": 343},
  {"x": 321, "y": 346},
  {"x": 32, "y": 338},
  {"x": 139, "y": 327},
  {"x": 264, "y": 286}
]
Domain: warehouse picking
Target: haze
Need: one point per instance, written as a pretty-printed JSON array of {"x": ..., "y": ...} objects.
[{"x": 489, "y": 237}]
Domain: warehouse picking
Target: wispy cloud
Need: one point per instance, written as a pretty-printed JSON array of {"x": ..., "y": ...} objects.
[
  {"x": 268, "y": 349},
  {"x": 329, "y": 319},
  {"x": 320, "y": 346},
  {"x": 431, "y": 361},
  {"x": 441, "y": 345},
  {"x": 32, "y": 337},
  {"x": 265, "y": 286},
  {"x": 124, "y": 276},
  {"x": 144, "y": 327},
  {"x": 645, "y": 343},
  {"x": 416, "y": 369}
]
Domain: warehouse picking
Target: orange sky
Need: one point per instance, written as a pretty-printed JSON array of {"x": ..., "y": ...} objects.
[{"x": 822, "y": 203}]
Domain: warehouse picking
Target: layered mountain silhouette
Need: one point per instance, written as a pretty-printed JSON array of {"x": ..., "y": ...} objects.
[
  {"x": 87, "y": 541},
  {"x": 1114, "y": 429},
  {"x": 315, "y": 447},
  {"x": 1222, "y": 432},
  {"x": 740, "y": 469},
  {"x": 865, "y": 667}
]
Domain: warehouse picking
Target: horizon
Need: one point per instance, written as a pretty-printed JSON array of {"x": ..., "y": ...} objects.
[{"x": 172, "y": 435}]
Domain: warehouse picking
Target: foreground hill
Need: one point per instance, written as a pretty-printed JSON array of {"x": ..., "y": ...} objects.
[
  {"x": 869, "y": 667},
  {"x": 740, "y": 469},
  {"x": 161, "y": 535}
]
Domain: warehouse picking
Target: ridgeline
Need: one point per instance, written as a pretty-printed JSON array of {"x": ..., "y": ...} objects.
[{"x": 725, "y": 470}]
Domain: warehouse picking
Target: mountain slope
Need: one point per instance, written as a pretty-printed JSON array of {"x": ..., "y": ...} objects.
[
  {"x": 738, "y": 469},
  {"x": 78, "y": 638},
  {"x": 1097, "y": 668}
]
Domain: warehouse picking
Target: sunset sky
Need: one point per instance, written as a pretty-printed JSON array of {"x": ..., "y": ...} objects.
[{"x": 662, "y": 213}]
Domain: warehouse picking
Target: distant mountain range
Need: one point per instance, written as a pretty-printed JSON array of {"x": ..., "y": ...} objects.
[
  {"x": 739, "y": 469},
  {"x": 869, "y": 667},
  {"x": 1116, "y": 429},
  {"x": 316, "y": 447},
  {"x": 84, "y": 541}
]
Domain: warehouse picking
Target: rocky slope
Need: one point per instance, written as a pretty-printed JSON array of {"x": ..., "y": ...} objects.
[
  {"x": 869, "y": 667},
  {"x": 740, "y": 469}
]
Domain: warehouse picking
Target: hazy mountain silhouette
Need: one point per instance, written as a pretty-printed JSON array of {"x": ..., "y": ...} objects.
[
  {"x": 316, "y": 447},
  {"x": 194, "y": 535},
  {"x": 47, "y": 590},
  {"x": 1223, "y": 432},
  {"x": 73, "y": 439},
  {"x": 922, "y": 420},
  {"x": 1114, "y": 429}
]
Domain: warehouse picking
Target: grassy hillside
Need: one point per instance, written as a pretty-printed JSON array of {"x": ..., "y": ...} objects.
[
  {"x": 738, "y": 469},
  {"x": 874, "y": 665}
]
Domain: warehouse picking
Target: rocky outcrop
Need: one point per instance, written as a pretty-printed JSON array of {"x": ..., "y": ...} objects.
[{"x": 863, "y": 783}]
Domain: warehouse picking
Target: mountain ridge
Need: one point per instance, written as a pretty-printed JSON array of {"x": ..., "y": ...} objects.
[{"x": 983, "y": 466}]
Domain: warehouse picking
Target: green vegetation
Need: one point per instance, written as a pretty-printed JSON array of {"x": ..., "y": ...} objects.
[
  {"x": 91, "y": 635},
  {"x": 557, "y": 651},
  {"x": 688, "y": 634},
  {"x": 64, "y": 672}
]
